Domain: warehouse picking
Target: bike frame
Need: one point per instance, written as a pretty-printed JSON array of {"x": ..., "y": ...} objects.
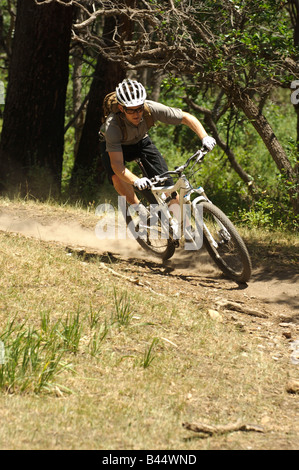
[
  {"x": 208, "y": 224},
  {"x": 185, "y": 190}
]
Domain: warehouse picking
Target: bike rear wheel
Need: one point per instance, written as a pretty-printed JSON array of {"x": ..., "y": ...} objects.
[
  {"x": 152, "y": 237},
  {"x": 224, "y": 244}
]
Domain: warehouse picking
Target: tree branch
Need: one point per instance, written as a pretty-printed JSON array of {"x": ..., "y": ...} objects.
[{"x": 230, "y": 154}]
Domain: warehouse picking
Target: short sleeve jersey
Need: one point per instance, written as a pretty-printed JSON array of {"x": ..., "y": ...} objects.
[{"x": 113, "y": 133}]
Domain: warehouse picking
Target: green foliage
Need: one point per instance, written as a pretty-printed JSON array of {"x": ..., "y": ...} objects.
[
  {"x": 148, "y": 356},
  {"x": 123, "y": 312},
  {"x": 249, "y": 40},
  {"x": 33, "y": 357},
  {"x": 269, "y": 206},
  {"x": 268, "y": 214}
]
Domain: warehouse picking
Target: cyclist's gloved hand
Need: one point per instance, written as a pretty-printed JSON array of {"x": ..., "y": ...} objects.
[
  {"x": 209, "y": 142},
  {"x": 143, "y": 183}
]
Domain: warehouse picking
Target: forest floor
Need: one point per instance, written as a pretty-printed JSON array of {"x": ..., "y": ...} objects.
[
  {"x": 265, "y": 311},
  {"x": 274, "y": 285}
]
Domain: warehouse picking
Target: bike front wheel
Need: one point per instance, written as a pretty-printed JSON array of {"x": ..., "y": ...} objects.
[{"x": 224, "y": 244}]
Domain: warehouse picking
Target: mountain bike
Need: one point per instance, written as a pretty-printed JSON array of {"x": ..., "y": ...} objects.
[{"x": 200, "y": 223}]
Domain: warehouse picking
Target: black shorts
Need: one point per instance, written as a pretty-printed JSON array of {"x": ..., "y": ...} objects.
[{"x": 152, "y": 161}]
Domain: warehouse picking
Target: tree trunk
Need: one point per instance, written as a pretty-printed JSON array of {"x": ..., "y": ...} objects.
[
  {"x": 156, "y": 81},
  {"x": 77, "y": 97},
  {"x": 31, "y": 149},
  {"x": 87, "y": 167},
  {"x": 262, "y": 126},
  {"x": 296, "y": 44},
  {"x": 293, "y": 7}
]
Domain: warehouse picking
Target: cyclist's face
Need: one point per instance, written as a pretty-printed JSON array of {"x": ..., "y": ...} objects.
[{"x": 133, "y": 114}]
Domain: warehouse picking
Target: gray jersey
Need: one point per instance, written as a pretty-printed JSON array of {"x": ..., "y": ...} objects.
[{"x": 113, "y": 133}]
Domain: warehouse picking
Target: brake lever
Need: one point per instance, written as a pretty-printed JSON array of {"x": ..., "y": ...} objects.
[
  {"x": 202, "y": 153},
  {"x": 179, "y": 169},
  {"x": 157, "y": 179}
]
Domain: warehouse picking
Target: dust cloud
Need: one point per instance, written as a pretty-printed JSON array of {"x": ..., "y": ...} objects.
[
  {"x": 73, "y": 234},
  {"x": 277, "y": 289},
  {"x": 70, "y": 234}
]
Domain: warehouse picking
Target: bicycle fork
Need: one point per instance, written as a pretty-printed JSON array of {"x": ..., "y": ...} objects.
[{"x": 211, "y": 239}]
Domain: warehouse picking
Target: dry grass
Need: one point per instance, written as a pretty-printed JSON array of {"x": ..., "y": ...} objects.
[{"x": 137, "y": 363}]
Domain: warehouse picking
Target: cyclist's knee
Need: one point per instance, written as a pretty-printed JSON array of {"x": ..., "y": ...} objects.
[{"x": 116, "y": 181}]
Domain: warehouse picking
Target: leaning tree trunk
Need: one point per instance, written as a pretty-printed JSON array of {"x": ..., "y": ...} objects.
[
  {"x": 293, "y": 7},
  {"x": 262, "y": 126},
  {"x": 31, "y": 149}
]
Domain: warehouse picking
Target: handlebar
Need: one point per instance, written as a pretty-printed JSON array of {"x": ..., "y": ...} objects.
[{"x": 198, "y": 157}]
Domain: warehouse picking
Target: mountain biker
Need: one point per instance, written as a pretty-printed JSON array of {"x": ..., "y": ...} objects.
[{"x": 131, "y": 98}]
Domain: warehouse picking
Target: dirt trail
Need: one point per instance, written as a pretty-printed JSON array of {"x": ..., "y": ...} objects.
[
  {"x": 266, "y": 310},
  {"x": 274, "y": 288}
]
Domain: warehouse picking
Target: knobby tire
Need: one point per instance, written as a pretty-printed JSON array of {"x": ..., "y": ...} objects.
[{"x": 231, "y": 256}]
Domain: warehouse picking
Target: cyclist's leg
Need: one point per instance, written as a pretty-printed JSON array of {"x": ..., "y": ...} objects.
[
  {"x": 154, "y": 164},
  {"x": 122, "y": 188},
  {"x": 125, "y": 189},
  {"x": 152, "y": 160}
]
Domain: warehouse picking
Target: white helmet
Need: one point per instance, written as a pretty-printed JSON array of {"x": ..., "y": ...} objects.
[{"x": 130, "y": 93}]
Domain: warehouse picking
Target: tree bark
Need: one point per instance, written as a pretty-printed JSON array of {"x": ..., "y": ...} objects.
[
  {"x": 87, "y": 166},
  {"x": 295, "y": 22},
  {"x": 31, "y": 149},
  {"x": 77, "y": 97},
  {"x": 262, "y": 126}
]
